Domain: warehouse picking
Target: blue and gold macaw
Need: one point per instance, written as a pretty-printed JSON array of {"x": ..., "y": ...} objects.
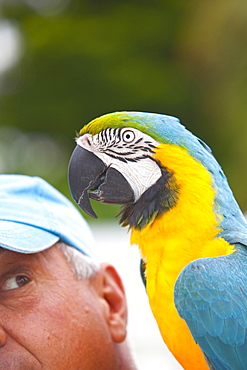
[{"x": 190, "y": 230}]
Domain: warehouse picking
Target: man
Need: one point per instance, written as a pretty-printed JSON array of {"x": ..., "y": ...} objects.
[{"x": 59, "y": 308}]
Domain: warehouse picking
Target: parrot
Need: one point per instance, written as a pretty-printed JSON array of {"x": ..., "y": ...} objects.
[{"x": 190, "y": 230}]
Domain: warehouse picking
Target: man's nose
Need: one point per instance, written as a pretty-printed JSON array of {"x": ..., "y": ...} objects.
[{"x": 3, "y": 337}]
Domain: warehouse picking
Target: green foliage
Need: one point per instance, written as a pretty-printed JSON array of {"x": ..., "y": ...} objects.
[{"x": 186, "y": 59}]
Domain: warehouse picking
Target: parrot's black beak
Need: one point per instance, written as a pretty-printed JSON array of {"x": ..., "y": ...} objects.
[{"x": 90, "y": 177}]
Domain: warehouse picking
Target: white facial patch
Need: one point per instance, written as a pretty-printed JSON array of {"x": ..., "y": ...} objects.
[{"x": 127, "y": 150}]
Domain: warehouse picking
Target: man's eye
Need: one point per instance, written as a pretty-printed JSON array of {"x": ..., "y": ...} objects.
[{"x": 15, "y": 282}]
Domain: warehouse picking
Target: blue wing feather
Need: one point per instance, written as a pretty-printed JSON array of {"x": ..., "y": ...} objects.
[{"x": 211, "y": 296}]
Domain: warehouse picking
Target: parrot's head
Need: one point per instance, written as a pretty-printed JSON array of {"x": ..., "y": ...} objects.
[{"x": 131, "y": 158}]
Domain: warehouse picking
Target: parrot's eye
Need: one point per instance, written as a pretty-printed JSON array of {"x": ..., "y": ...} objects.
[{"x": 128, "y": 136}]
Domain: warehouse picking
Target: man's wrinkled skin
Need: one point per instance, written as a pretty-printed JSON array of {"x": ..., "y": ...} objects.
[{"x": 51, "y": 320}]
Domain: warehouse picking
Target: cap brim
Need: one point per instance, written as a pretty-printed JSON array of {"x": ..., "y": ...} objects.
[{"x": 24, "y": 238}]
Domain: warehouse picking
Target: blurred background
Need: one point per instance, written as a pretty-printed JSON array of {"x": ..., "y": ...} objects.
[{"x": 65, "y": 62}]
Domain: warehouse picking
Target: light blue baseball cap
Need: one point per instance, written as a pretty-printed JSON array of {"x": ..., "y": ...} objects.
[{"x": 34, "y": 216}]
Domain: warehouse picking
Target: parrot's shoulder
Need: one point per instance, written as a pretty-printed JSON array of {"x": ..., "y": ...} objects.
[{"x": 211, "y": 296}]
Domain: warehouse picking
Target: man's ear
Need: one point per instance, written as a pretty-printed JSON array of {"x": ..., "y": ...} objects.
[{"x": 113, "y": 301}]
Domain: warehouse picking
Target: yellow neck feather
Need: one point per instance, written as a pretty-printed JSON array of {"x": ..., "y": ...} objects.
[
  {"x": 186, "y": 232},
  {"x": 186, "y": 228}
]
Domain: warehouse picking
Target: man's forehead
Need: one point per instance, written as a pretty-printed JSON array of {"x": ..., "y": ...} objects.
[
  {"x": 44, "y": 258},
  {"x": 7, "y": 252},
  {"x": 26, "y": 254},
  {"x": 10, "y": 257},
  {"x": 2, "y": 250}
]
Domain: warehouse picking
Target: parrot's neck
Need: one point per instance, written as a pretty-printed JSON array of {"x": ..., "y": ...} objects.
[
  {"x": 187, "y": 231},
  {"x": 189, "y": 227},
  {"x": 153, "y": 203}
]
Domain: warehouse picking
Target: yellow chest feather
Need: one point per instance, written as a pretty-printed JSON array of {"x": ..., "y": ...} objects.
[{"x": 186, "y": 232}]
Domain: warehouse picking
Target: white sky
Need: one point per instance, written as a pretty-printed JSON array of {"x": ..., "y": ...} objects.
[{"x": 10, "y": 45}]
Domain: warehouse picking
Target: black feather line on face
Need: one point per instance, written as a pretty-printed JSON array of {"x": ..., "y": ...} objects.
[{"x": 155, "y": 201}]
